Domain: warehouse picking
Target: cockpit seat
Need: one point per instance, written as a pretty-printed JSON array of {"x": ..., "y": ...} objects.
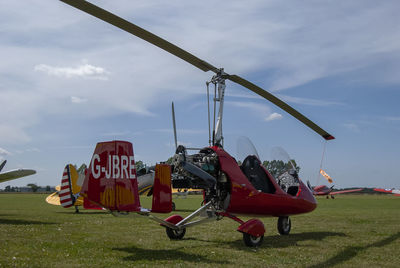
[{"x": 251, "y": 167}]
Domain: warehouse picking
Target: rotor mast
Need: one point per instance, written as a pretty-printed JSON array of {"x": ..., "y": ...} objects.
[{"x": 219, "y": 81}]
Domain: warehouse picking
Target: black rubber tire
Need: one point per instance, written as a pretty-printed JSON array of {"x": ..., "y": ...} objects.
[
  {"x": 175, "y": 234},
  {"x": 332, "y": 197},
  {"x": 252, "y": 241},
  {"x": 173, "y": 206},
  {"x": 284, "y": 225}
]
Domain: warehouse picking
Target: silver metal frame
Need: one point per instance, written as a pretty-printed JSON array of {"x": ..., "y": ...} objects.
[{"x": 206, "y": 213}]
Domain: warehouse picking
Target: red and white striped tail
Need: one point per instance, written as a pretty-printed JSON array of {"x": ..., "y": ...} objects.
[{"x": 67, "y": 199}]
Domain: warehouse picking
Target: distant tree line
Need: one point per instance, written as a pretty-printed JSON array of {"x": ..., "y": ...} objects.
[{"x": 30, "y": 187}]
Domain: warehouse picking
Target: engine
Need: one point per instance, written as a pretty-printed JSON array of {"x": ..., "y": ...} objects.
[{"x": 201, "y": 171}]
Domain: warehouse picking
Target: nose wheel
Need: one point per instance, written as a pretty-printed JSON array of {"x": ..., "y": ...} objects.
[
  {"x": 284, "y": 225},
  {"x": 175, "y": 234},
  {"x": 252, "y": 241}
]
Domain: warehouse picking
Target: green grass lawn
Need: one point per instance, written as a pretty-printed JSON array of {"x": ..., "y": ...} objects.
[{"x": 349, "y": 231}]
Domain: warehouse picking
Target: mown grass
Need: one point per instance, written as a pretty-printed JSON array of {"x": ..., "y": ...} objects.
[{"x": 350, "y": 231}]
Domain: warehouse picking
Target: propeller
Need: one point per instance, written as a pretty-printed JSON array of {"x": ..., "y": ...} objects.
[
  {"x": 309, "y": 186},
  {"x": 190, "y": 58},
  {"x": 174, "y": 125},
  {"x": 3, "y": 164}
]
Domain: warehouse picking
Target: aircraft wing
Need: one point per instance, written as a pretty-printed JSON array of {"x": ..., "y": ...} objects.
[
  {"x": 346, "y": 191},
  {"x": 320, "y": 193},
  {"x": 15, "y": 174},
  {"x": 388, "y": 191}
]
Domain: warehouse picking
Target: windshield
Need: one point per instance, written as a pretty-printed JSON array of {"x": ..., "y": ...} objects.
[
  {"x": 244, "y": 148},
  {"x": 284, "y": 170},
  {"x": 280, "y": 162}
]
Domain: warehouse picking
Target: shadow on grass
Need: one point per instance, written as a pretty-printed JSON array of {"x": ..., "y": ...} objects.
[
  {"x": 351, "y": 252},
  {"x": 276, "y": 241},
  {"x": 84, "y": 212},
  {"x": 22, "y": 222},
  {"x": 144, "y": 254}
]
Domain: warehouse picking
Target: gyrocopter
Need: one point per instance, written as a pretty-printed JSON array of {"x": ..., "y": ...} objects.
[{"x": 229, "y": 189}]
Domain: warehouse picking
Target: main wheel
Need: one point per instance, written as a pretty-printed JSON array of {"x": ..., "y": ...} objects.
[
  {"x": 252, "y": 241},
  {"x": 284, "y": 225},
  {"x": 173, "y": 206},
  {"x": 175, "y": 234}
]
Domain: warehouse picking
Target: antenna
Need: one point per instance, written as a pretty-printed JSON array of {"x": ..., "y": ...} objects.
[{"x": 174, "y": 125}]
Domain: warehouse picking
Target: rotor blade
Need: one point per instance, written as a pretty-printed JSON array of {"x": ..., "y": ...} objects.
[
  {"x": 284, "y": 106},
  {"x": 174, "y": 125},
  {"x": 140, "y": 32}
]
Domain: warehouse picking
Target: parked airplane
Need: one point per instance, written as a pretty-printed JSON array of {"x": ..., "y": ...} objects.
[
  {"x": 396, "y": 192},
  {"x": 14, "y": 174},
  {"x": 327, "y": 191},
  {"x": 68, "y": 193}
]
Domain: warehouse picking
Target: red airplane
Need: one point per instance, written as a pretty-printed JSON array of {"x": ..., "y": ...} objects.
[
  {"x": 229, "y": 189},
  {"x": 393, "y": 191},
  {"x": 325, "y": 190}
]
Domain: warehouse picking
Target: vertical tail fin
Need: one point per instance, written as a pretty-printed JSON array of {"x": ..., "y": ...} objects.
[
  {"x": 162, "y": 194},
  {"x": 67, "y": 199},
  {"x": 111, "y": 180}
]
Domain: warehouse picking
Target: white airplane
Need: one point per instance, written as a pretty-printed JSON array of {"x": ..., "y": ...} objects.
[{"x": 14, "y": 174}]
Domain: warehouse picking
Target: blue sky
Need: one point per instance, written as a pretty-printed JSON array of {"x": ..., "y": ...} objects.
[{"x": 69, "y": 80}]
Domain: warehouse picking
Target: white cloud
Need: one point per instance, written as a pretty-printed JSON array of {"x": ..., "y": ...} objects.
[
  {"x": 78, "y": 100},
  {"x": 260, "y": 109},
  {"x": 274, "y": 116},
  {"x": 13, "y": 134},
  {"x": 352, "y": 127},
  {"x": 33, "y": 149},
  {"x": 84, "y": 71},
  {"x": 4, "y": 152},
  {"x": 392, "y": 118}
]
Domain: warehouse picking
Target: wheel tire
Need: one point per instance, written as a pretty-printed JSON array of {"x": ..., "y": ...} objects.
[
  {"x": 173, "y": 206},
  {"x": 175, "y": 234},
  {"x": 252, "y": 241},
  {"x": 284, "y": 225},
  {"x": 332, "y": 197}
]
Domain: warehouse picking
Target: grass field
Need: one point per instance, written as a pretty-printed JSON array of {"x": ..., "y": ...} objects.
[{"x": 350, "y": 231}]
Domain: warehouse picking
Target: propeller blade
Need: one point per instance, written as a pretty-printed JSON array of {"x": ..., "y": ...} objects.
[
  {"x": 3, "y": 164},
  {"x": 284, "y": 106},
  {"x": 209, "y": 180},
  {"x": 140, "y": 32},
  {"x": 309, "y": 186},
  {"x": 174, "y": 125}
]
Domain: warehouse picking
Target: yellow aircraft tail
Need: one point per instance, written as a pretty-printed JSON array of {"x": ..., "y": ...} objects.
[{"x": 70, "y": 188}]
